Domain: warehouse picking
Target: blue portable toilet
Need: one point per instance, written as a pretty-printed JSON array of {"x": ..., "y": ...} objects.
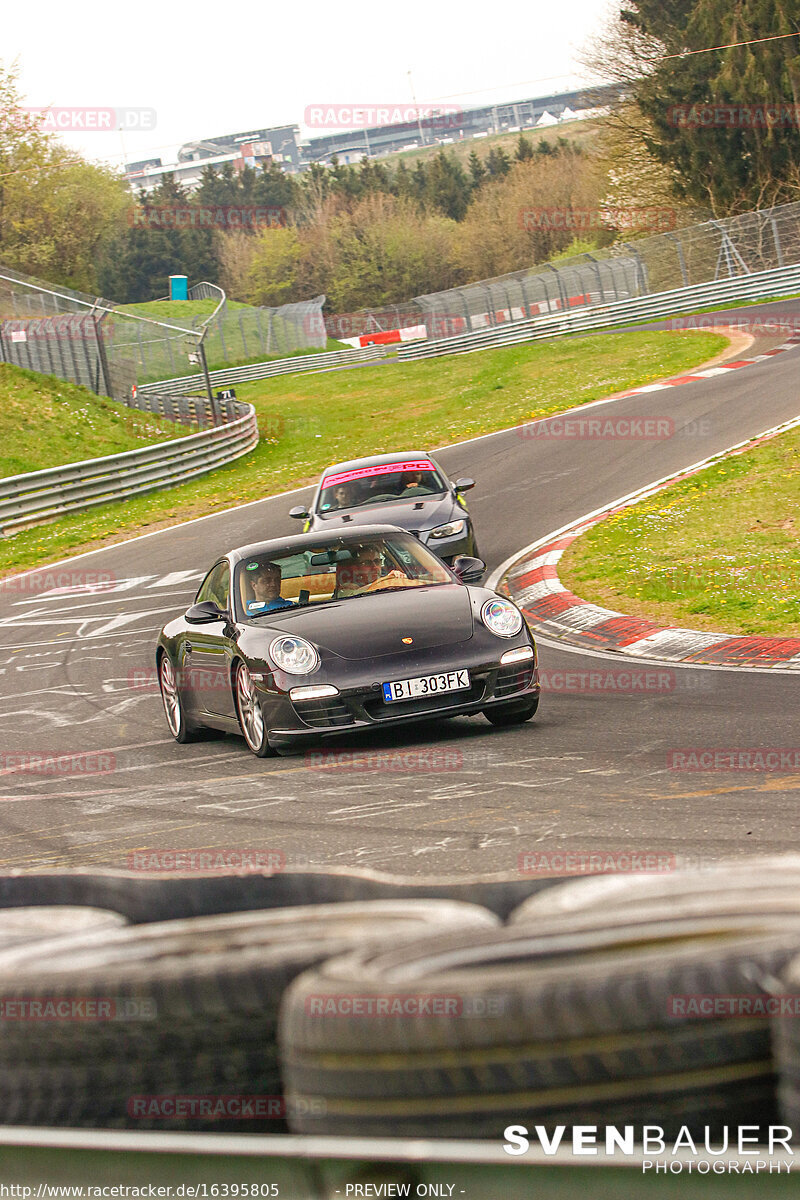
[{"x": 178, "y": 287}]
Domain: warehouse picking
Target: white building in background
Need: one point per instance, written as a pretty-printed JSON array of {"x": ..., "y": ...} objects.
[{"x": 144, "y": 178}]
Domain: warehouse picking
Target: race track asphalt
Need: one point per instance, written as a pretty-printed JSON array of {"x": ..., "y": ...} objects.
[{"x": 589, "y": 774}]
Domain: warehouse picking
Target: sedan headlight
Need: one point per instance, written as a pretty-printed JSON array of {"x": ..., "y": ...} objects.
[
  {"x": 501, "y": 617},
  {"x": 294, "y": 655},
  {"x": 451, "y": 529}
]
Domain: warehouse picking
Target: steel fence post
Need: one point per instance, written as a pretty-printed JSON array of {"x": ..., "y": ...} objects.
[{"x": 776, "y": 239}]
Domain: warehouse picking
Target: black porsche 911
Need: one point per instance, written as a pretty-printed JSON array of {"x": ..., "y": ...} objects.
[
  {"x": 409, "y": 490},
  {"x": 328, "y": 633}
]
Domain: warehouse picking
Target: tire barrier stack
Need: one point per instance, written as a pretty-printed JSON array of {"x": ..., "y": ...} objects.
[
  {"x": 361, "y": 1004},
  {"x": 148, "y": 1013}
]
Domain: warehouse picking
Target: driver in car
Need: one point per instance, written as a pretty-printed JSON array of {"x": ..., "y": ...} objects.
[
  {"x": 266, "y": 584},
  {"x": 343, "y": 495},
  {"x": 412, "y": 479},
  {"x": 364, "y": 573}
]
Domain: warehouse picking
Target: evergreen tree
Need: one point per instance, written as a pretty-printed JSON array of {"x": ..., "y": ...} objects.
[
  {"x": 498, "y": 163},
  {"x": 275, "y": 189},
  {"x": 447, "y": 188},
  {"x": 402, "y": 184},
  {"x": 476, "y": 169},
  {"x": 419, "y": 179},
  {"x": 707, "y": 116},
  {"x": 158, "y": 244},
  {"x": 524, "y": 149}
]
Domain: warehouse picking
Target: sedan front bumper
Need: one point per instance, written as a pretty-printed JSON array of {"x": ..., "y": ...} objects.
[{"x": 362, "y": 707}]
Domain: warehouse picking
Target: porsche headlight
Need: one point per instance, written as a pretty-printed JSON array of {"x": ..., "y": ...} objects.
[
  {"x": 294, "y": 655},
  {"x": 501, "y": 617},
  {"x": 451, "y": 529}
]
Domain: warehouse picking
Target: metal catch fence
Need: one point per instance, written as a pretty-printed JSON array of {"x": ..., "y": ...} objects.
[
  {"x": 87, "y": 340},
  {"x": 704, "y": 253}
]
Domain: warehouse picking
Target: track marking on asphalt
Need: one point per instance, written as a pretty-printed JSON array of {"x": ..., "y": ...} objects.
[
  {"x": 246, "y": 805},
  {"x": 372, "y": 808},
  {"x": 778, "y": 784}
]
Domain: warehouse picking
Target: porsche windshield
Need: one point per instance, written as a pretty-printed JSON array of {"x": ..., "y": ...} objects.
[
  {"x": 334, "y": 569},
  {"x": 381, "y": 483}
]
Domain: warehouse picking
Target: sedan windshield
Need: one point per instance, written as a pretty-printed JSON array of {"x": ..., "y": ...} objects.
[
  {"x": 335, "y": 569},
  {"x": 380, "y": 484}
]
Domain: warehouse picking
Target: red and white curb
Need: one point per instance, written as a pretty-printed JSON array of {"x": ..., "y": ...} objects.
[
  {"x": 709, "y": 372},
  {"x": 531, "y": 580}
]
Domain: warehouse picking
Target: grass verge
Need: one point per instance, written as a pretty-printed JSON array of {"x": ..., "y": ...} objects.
[
  {"x": 719, "y": 551},
  {"x": 307, "y": 421},
  {"x": 46, "y": 422}
]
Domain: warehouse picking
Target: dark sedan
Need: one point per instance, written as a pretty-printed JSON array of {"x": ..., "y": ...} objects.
[
  {"x": 409, "y": 490},
  {"x": 326, "y": 633}
]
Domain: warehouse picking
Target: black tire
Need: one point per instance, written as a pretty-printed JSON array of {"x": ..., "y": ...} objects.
[
  {"x": 768, "y": 883},
  {"x": 194, "y": 1010},
  {"x": 506, "y": 715},
  {"x": 250, "y": 714},
  {"x": 582, "y": 1031},
  {"x": 23, "y": 925},
  {"x": 180, "y": 726},
  {"x": 786, "y": 1045},
  {"x": 143, "y": 895}
]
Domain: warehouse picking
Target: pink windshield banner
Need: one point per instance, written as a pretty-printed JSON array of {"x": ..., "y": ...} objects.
[{"x": 422, "y": 464}]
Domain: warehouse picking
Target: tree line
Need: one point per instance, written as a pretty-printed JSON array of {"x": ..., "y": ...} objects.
[
  {"x": 710, "y": 127},
  {"x": 365, "y": 235}
]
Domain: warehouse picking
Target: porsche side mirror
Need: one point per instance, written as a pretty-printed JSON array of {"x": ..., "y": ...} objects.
[
  {"x": 204, "y": 613},
  {"x": 468, "y": 570},
  {"x": 299, "y": 513},
  {"x": 464, "y": 485}
]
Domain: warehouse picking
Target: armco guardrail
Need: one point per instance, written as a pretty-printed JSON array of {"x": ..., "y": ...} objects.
[
  {"x": 227, "y": 376},
  {"x": 756, "y": 286},
  {"x": 42, "y": 495}
]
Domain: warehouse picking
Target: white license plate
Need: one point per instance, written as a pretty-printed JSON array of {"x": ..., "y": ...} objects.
[{"x": 426, "y": 685}]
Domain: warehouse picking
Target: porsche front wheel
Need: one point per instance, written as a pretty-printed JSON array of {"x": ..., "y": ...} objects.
[{"x": 251, "y": 718}]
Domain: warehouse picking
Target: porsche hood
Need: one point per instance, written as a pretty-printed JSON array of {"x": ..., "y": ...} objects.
[{"x": 357, "y": 628}]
